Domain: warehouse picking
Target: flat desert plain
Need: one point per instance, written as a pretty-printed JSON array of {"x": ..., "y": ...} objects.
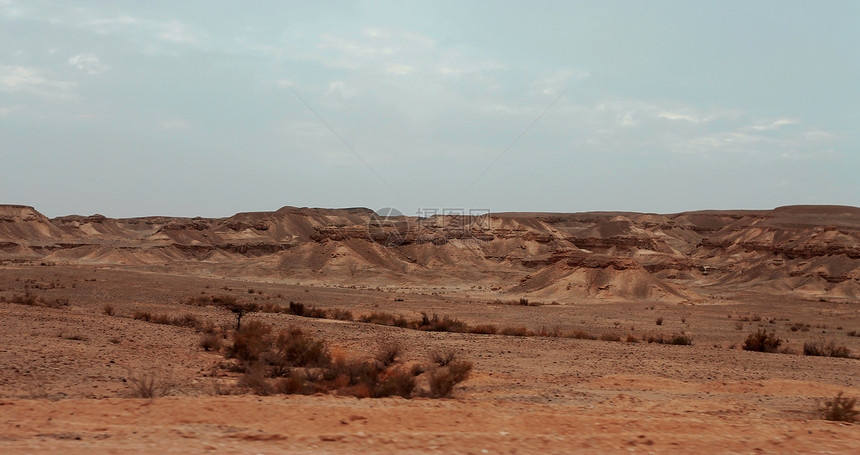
[{"x": 582, "y": 305}]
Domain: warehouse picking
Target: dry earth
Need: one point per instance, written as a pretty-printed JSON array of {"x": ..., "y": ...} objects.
[{"x": 63, "y": 371}]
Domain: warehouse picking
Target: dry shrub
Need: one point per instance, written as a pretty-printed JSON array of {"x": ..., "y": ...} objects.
[
  {"x": 395, "y": 383},
  {"x": 150, "y": 383},
  {"x": 108, "y": 309},
  {"x": 631, "y": 338},
  {"x": 800, "y": 326},
  {"x": 580, "y": 335},
  {"x": 443, "y": 358},
  {"x": 610, "y": 337},
  {"x": 211, "y": 342},
  {"x": 825, "y": 349},
  {"x": 202, "y": 300},
  {"x": 545, "y": 332},
  {"x": 30, "y": 299},
  {"x": 295, "y": 363},
  {"x": 485, "y": 329},
  {"x": 521, "y": 331},
  {"x": 660, "y": 320},
  {"x": 293, "y": 348},
  {"x": 676, "y": 339},
  {"x": 186, "y": 320},
  {"x": 388, "y": 352},
  {"x": 841, "y": 409},
  {"x": 340, "y": 314},
  {"x": 443, "y": 324},
  {"x": 762, "y": 341},
  {"x": 381, "y": 318},
  {"x": 295, "y": 384},
  {"x": 255, "y": 379},
  {"x": 250, "y": 342},
  {"x": 680, "y": 340},
  {"x": 443, "y": 379}
]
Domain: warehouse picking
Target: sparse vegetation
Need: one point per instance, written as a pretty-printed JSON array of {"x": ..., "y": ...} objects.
[
  {"x": 295, "y": 363},
  {"x": 762, "y": 341},
  {"x": 659, "y": 320},
  {"x": 675, "y": 339},
  {"x": 108, "y": 309},
  {"x": 841, "y": 409},
  {"x": 30, "y": 299},
  {"x": 149, "y": 383},
  {"x": 825, "y": 349}
]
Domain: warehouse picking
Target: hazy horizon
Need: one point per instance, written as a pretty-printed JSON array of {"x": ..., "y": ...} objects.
[{"x": 209, "y": 109}]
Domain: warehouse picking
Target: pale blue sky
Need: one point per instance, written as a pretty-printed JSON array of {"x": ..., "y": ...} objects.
[{"x": 143, "y": 108}]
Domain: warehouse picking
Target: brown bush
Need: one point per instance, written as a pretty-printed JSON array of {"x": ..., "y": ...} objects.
[
  {"x": 841, "y": 409},
  {"x": 443, "y": 379},
  {"x": 660, "y": 320},
  {"x": 149, "y": 383},
  {"x": 762, "y": 341},
  {"x": 251, "y": 342},
  {"x": 443, "y": 358},
  {"x": 443, "y": 324},
  {"x": 255, "y": 379},
  {"x": 826, "y": 349},
  {"x": 395, "y": 383},
  {"x": 108, "y": 309},
  {"x": 610, "y": 337},
  {"x": 580, "y": 335},
  {"x": 211, "y": 342},
  {"x": 30, "y": 299},
  {"x": 292, "y": 348},
  {"x": 340, "y": 314},
  {"x": 545, "y": 332},
  {"x": 516, "y": 331},
  {"x": 388, "y": 352},
  {"x": 486, "y": 329}
]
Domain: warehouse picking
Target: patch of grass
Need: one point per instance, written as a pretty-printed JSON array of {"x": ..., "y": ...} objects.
[{"x": 762, "y": 341}]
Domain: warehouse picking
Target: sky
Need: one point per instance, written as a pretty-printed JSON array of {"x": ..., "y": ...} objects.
[{"x": 212, "y": 108}]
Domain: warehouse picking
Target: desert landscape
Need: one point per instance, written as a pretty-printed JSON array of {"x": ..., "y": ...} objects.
[{"x": 310, "y": 330}]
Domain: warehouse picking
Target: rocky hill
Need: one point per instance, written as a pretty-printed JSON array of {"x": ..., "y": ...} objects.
[{"x": 810, "y": 250}]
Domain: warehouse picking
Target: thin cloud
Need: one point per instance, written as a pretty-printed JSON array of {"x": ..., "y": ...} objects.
[
  {"x": 89, "y": 63},
  {"x": 14, "y": 78}
]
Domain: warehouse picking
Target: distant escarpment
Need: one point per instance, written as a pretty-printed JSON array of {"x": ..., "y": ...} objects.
[{"x": 809, "y": 250}]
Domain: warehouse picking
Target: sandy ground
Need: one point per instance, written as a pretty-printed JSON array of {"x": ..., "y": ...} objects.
[{"x": 63, "y": 370}]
